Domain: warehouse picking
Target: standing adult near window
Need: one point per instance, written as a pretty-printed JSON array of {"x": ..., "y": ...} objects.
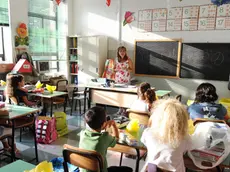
[{"x": 123, "y": 68}]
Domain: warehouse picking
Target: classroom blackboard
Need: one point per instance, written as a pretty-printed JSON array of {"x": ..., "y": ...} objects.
[
  {"x": 209, "y": 61},
  {"x": 158, "y": 58}
]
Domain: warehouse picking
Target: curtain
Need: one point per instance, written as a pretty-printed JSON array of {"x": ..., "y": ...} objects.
[{"x": 4, "y": 17}]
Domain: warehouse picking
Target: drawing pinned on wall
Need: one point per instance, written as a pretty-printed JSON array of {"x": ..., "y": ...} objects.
[
  {"x": 220, "y": 2},
  {"x": 108, "y": 2},
  {"x": 129, "y": 18},
  {"x": 22, "y": 38}
]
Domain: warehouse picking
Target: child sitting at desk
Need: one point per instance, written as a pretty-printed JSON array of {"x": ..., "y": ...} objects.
[
  {"x": 94, "y": 137},
  {"x": 146, "y": 97},
  {"x": 4, "y": 131},
  {"x": 205, "y": 106},
  {"x": 167, "y": 137},
  {"x": 14, "y": 88}
]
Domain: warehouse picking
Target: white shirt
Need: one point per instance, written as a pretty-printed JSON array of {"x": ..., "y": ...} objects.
[
  {"x": 139, "y": 105},
  {"x": 164, "y": 156}
]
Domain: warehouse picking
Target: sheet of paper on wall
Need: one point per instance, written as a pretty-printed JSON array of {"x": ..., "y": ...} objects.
[
  {"x": 190, "y": 18},
  {"x": 159, "y": 20},
  {"x": 145, "y": 26},
  {"x": 174, "y": 19},
  {"x": 223, "y": 17},
  {"x": 145, "y": 15}
]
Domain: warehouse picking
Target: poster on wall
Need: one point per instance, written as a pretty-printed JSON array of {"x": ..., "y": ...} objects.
[
  {"x": 174, "y": 19},
  {"x": 190, "y": 18},
  {"x": 144, "y": 26},
  {"x": 145, "y": 15},
  {"x": 207, "y": 17},
  {"x": 159, "y": 19},
  {"x": 223, "y": 17}
]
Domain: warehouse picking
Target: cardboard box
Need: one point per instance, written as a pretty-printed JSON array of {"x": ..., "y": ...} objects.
[{"x": 6, "y": 67}]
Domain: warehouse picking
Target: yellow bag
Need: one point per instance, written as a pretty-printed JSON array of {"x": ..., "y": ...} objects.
[
  {"x": 61, "y": 123},
  {"x": 226, "y": 103},
  {"x": 42, "y": 167}
]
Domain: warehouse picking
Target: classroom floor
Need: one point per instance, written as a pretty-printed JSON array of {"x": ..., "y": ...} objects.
[{"x": 48, "y": 152}]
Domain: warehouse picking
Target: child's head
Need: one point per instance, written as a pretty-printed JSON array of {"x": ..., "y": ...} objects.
[
  {"x": 121, "y": 54},
  {"x": 206, "y": 92},
  {"x": 95, "y": 117},
  {"x": 146, "y": 93},
  {"x": 170, "y": 122},
  {"x": 13, "y": 81}
]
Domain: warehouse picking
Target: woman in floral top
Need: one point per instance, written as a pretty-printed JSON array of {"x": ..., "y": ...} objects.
[{"x": 123, "y": 66}]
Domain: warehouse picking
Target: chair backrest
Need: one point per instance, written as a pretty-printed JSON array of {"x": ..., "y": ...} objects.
[
  {"x": 12, "y": 100},
  {"x": 198, "y": 120},
  {"x": 143, "y": 117},
  {"x": 86, "y": 159},
  {"x": 62, "y": 85}
]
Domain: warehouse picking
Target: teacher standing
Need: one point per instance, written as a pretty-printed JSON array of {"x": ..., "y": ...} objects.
[{"x": 123, "y": 66}]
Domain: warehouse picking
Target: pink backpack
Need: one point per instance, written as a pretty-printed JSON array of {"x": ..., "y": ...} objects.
[{"x": 46, "y": 130}]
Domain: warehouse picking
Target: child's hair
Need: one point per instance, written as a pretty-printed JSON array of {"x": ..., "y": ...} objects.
[
  {"x": 118, "y": 55},
  {"x": 206, "y": 92},
  {"x": 169, "y": 121},
  {"x": 146, "y": 93},
  {"x": 95, "y": 117},
  {"x": 12, "y": 81}
]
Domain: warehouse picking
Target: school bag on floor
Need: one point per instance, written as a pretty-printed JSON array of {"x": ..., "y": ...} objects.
[
  {"x": 61, "y": 123},
  {"x": 46, "y": 129},
  {"x": 211, "y": 143}
]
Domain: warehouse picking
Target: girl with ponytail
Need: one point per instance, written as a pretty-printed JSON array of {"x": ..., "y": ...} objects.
[{"x": 146, "y": 97}]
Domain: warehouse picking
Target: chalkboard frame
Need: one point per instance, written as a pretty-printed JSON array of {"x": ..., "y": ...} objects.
[{"x": 177, "y": 76}]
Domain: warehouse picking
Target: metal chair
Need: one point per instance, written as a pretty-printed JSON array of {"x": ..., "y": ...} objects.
[{"x": 86, "y": 159}]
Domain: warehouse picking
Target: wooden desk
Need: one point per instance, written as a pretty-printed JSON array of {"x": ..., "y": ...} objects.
[
  {"x": 120, "y": 97},
  {"x": 138, "y": 150},
  {"x": 17, "y": 166},
  {"x": 17, "y": 112},
  {"x": 50, "y": 96}
]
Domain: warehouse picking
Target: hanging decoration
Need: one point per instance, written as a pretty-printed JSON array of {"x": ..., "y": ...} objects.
[
  {"x": 108, "y": 2},
  {"x": 128, "y": 18},
  {"x": 56, "y": 3},
  {"x": 22, "y": 38},
  {"x": 220, "y": 2}
]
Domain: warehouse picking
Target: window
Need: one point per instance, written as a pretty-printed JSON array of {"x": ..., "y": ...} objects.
[
  {"x": 47, "y": 32},
  {"x": 4, "y": 21}
]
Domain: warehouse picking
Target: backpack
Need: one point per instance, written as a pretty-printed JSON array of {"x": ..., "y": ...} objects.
[
  {"x": 61, "y": 123},
  {"x": 46, "y": 130}
]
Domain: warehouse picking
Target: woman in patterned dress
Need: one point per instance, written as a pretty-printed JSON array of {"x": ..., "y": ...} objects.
[{"x": 123, "y": 66}]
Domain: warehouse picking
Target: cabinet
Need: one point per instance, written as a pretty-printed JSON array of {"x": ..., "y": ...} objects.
[{"x": 87, "y": 56}]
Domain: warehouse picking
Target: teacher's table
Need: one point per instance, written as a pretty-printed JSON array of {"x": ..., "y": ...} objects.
[
  {"x": 16, "y": 112},
  {"x": 17, "y": 166},
  {"x": 120, "y": 97},
  {"x": 51, "y": 96}
]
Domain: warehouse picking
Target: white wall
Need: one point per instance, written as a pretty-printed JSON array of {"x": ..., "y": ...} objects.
[
  {"x": 18, "y": 14},
  {"x": 94, "y": 17}
]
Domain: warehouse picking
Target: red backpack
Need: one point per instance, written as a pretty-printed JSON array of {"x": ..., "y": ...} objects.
[{"x": 46, "y": 130}]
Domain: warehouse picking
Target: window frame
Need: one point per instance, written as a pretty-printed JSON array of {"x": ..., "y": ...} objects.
[
  {"x": 2, "y": 56},
  {"x": 55, "y": 19}
]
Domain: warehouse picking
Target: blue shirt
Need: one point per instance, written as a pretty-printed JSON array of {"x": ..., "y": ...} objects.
[{"x": 207, "y": 110}]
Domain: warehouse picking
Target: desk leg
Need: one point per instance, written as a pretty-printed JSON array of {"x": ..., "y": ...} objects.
[
  {"x": 138, "y": 160},
  {"x": 65, "y": 104},
  {"x": 51, "y": 108},
  {"x": 35, "y": 141},
  {"x": 12, "y": 144}
]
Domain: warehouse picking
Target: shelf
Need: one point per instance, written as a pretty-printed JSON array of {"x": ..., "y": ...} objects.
[
  {"x": 73, "y": 48},
  {"x": 73, "y": 61},
  {"x": 73, "y": 73}
]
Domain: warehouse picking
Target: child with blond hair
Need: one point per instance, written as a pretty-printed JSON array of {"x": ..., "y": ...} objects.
[{"x": 167, "y": 137}]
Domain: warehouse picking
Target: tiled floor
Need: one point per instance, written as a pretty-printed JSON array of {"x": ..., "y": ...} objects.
[{"x": 47, "y": 152}]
